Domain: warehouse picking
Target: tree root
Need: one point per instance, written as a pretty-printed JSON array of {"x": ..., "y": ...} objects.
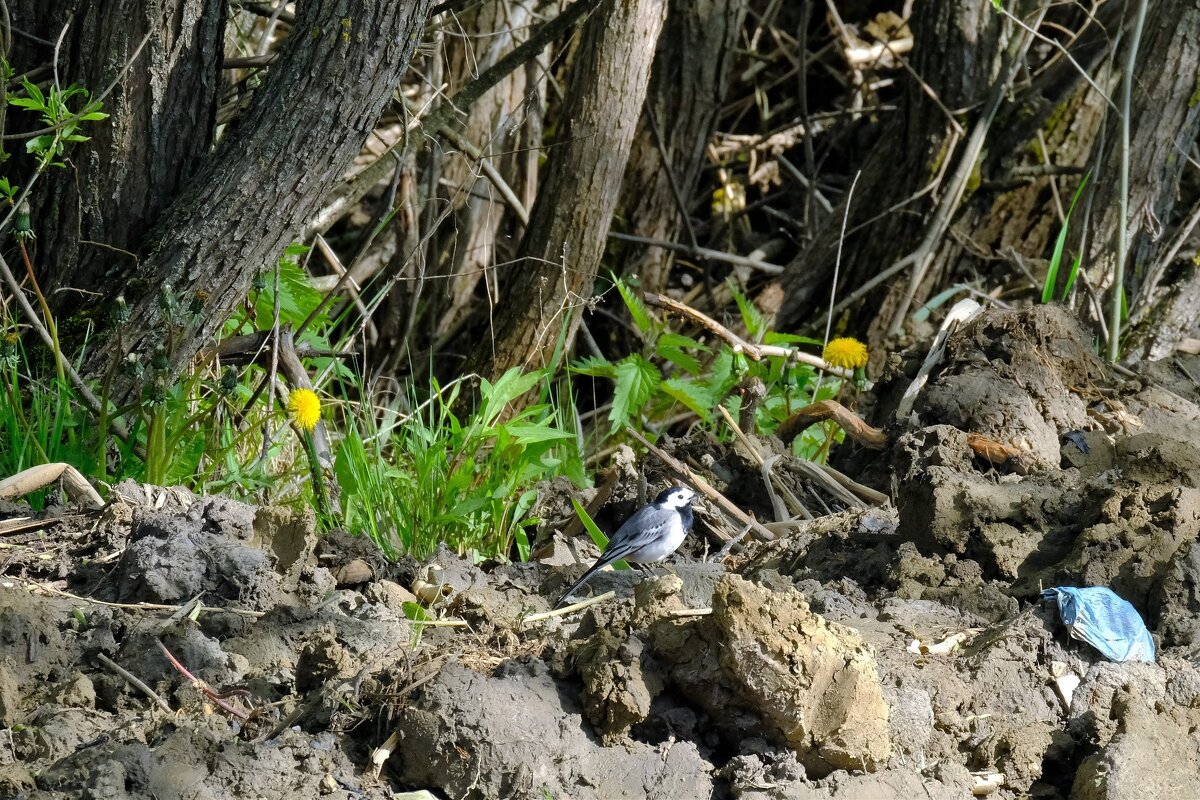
[{"x": 995, "y": 453}]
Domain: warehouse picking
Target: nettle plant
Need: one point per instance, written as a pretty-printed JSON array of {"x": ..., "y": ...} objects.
[
  {"x": 674, "y": 372},
  {"x": 62, "y": 123}
]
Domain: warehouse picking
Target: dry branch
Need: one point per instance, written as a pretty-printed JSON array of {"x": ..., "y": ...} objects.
[
  {"x": 722, "y": 502},
  {"x": 755, "y": 352},
  {"x": 996, "y": 453},
  {"x": 34, "y": 478},
  {"x": 851, "y": 423}
]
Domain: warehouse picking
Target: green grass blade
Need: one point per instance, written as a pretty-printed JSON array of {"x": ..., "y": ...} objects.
[
  {"x": 594, "y": 531},
  {"x": 1059, "y": 244}
]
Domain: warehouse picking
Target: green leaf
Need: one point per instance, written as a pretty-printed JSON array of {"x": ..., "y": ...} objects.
[
  {"x": 637, "y": 379},
  {"x": 774, "y": 337},
  {"x": 350, "y": 454},
  {"x": 1059, "y": 243},
  {"x": 597, "y": 366},
  {"x": 1072, "y": 276},
  {"x": 524, "y": 548},
  {"x": 722, "y": 373},
  {"x": 695, "y": 396},
  {"x": 594, "y": 531},
  {"x": 590, "y": 525},
  {"x": 508, "y": 387},
  {"x": 531, "y": 434},
  {"x": 756, "y": 323},
  {"x": 40, "y": 144},
  {"x": 34, "y": 92},
  {"x": 670, "y": 346},
  {"x": 642, "y": 318},
  {"x": 1078, "y": 256},
  {"x": 415, "y": 611},
  {"x": 297, "y": 297}
]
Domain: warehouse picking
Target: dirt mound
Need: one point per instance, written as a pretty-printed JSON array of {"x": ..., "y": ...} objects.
[
  {"x": 866, "y": 652},
  {"x": 519, "y": 733}
]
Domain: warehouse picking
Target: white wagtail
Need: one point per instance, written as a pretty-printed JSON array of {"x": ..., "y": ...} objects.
[{"x": 652, "y": 534}]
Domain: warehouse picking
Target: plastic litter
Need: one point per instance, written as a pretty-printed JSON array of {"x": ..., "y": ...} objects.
[
  {"x": 1100, "y": 617},
  {"x": 1076, "y": 438}
]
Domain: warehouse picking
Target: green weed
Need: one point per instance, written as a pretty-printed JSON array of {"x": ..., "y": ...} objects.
[
  {"x": 40, "y": 420},
  {"x": 1056, "y": 256},
  {"x": 434, "y": 478},
  {"x": 673, "y": 372}
]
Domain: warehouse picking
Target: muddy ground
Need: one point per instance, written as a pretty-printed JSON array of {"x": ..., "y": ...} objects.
[{"x": 820, "y": 664}]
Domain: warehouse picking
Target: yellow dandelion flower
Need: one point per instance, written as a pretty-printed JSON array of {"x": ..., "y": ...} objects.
[
  {"x": 845, "y": 353},
  {"x": 304, "y": 408}
]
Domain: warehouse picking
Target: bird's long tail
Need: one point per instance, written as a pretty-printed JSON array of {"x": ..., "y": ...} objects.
[{"x": 603, "y": 562}]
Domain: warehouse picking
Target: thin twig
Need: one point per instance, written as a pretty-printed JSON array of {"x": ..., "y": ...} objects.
[
  {"x": 680, "y": 205},
  {"x": 134, "y": 681},
  {"x": 272, "y": 369},
  {"x": 582, "y": 604},
  {"x": 854, "y": 487},
  {"x": 701, "y": 252},
  {"x": 89, "y": 397},
  {"x": 489, "y": 171},
  {"x": 42, "y": 587},
  {"x": 728, "y": 547},
  {"x": 201, "y": 686},
  {"x": 837, "y": 270},
  {"x": 89, "y": 107},
  {"x": 920, "y": 258},
  {"x": 679, "y": 613},
  {"x": 755, "y": 352},
  {"x": 1114, "y": 338},
  {"x": 722, "y": 502},
  {"x": 353, "y": 190},
  {"x": 345, "y": 279},
  {"x": 765, "y": 464},
  {"x": 1032, "y": 30},
  {"x": 851, "y": 423}
]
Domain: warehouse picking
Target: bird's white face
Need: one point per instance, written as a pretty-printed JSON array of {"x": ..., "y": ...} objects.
[{"x": 677, "y": 497}]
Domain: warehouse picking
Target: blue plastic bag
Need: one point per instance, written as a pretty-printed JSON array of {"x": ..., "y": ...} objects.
[{"x": 1104, "y": 620}]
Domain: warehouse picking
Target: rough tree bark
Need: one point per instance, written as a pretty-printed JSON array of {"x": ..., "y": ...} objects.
[
  {"x": 959, "y": 50},
  {"x": 496, "y": 125},
  {"x": 544, "y": 291},
  {"x": 687, "y": 85},
  {"x": 300, "y": 132},
  {"x": 1164, "y": 120},
  {"x": 1056, "y": 122},
  {"x": 504, "y": 127},
  {"x": 159, "y": 130}
]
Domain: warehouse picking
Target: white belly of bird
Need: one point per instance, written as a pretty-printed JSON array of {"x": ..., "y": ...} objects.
[{"x": 664, "y": 546}]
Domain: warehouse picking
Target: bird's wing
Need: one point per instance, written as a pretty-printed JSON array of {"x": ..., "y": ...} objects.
[{"x": 640, "y": 530}]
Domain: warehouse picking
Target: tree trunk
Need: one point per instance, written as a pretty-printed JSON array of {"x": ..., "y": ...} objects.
[
  {"x": 277, "y": 162},
  {"x": 95, "y": 214},
  {"x": 687, "y": 86},
  {"x": 1052, "y": 123},
  {"x": 504, "y": 128},
  {"x": 959, "y": 50},
  {"x": 1164, "y": 122},
  {"x": 545, "y": 290}
]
